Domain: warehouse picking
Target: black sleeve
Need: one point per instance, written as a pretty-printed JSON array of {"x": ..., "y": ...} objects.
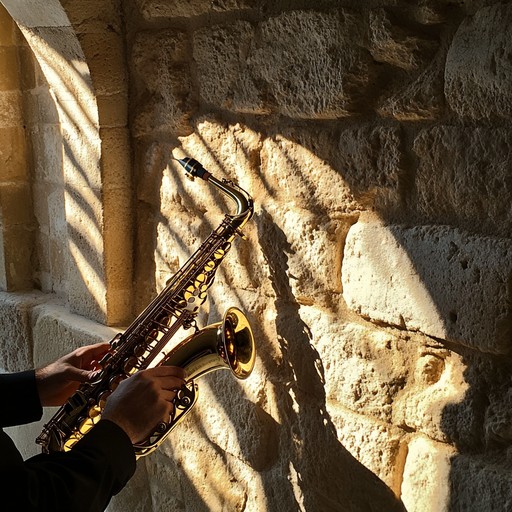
[
  {"x": 20, "y": 399},
  {"x": 81, "y": 480}
]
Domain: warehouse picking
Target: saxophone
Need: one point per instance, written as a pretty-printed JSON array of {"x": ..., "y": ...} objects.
[{"x": 228, "y": 344}]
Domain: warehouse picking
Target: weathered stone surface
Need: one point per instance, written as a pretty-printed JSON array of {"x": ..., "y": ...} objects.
[
  {"x": 10, "y": 109},
  {"x": 421, "y": 278},
  {"x": 225, "y": 80},
  {"x": 469, "y": 188},
  {"x": 293, "y": 172},
  {"x": 37, "y": 13},
  {"x": 422, "y": 99},
  {"x": 302, "y": 64},
  {"x": 427, "y": 476},
  {"x": 438, "y": 382},
  {"x": 162, "y": 77},
  {"x": 396, "y": 45},
  {"x": 157, "y": 9},
  {"x": 364, "y": 368},
  {"x": 370, "y": 160},
  {"x": 300, "y": 243},
  {"x": 478, "y": 67},
  {"x": 56, "y": 332},
  {"x": 377, "y": 446},
  {"x": 16, "y": 350},
  {"x": 480, "y": 482}
]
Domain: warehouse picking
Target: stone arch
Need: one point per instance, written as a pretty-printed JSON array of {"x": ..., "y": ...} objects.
[{"x": 95, "y": 155}]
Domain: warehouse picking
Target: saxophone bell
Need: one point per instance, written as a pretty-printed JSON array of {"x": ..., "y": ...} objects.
[
  {"x": 225, "y": 345},
  {"x": 228, "y": 345}
]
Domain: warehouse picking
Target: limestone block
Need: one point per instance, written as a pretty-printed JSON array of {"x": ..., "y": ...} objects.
[
  {"x": 364, "y": 369},
  {"x": 37, "y": 13},
  {"x": 8, "y": 33},
  {"x": 9, "y": 78},
  {"x": 295, "y": 173},
  {"x": 297, "y": 243},
  {"x": 427, "y": 477},
  {"x": 303, "y": 64},
  {"x": 189, "y": 472},
  {"x": 115, "y": 146},
  {"x": 432, "y": 279},
  {"x": 437, "y": 392},
  {"x": 66, "y": 71},
  {"x": 57, "y": 332},
  {"x": 312, "y": 65},
  {"x": 16, "y": 204},
  {"x": 156, "y": 9},
  {"x": 104, "y": 53},
  {"x": 13, "y": 163},
  {"x": 225, "y": 80},
  {"x": 113, "y": 110},
  {"x": 478, "y": 69},
  {"x": 16, "y": 350},
  {"x": 420, "y": 99},
  {"x": 10, "y": 109},
  {"x": 17, "y": 244},
  {"x": 378, "y": 446},
  {"x": 162, "y": 78},
  {"x": 480, "y": 482},
  {"x": 396, "y": 45},
  {"x": 48, "y": 153},
  {"x": 94, "y": 16},
  {"x": 370, "y": 160},
  {"x": 470, "y": 187}
]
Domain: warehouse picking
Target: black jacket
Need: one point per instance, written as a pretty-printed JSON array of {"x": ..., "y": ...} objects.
[{"x": 81, "y": 480}]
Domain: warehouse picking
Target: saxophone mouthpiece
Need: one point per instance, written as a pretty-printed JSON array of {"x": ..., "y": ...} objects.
[{"x": 194, "y": 168}]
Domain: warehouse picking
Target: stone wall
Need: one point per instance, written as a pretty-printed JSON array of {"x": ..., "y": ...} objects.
[{"x": 377, "y": 272}]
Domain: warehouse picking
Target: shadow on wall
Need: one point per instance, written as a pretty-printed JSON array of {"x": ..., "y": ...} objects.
[{"x": 327, "y": 476}]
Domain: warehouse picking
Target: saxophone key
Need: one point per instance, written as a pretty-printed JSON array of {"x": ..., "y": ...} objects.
[
  {"x": 115, "y": 381},
  {"x": 102, "y": 399},
  {"x": 130, "y": 367}
]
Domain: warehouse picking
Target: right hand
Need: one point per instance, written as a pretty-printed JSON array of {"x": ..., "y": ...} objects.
[{"x": 144, "y": 400}]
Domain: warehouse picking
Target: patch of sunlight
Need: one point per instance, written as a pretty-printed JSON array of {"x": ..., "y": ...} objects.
[{"x": 94, "y": 282}]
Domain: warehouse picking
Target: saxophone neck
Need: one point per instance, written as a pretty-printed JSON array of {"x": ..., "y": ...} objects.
[{"x": 241, "y": 198}]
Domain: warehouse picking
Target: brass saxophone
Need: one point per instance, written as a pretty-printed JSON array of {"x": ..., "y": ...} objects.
[{"x": 228, "y": 344}]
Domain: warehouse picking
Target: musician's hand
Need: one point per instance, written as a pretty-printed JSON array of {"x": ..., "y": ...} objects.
[
  {"x": 59, "y": 380},
  {"x": 144, "y": 400}
]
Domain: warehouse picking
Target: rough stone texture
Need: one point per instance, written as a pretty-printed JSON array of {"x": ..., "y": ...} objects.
[
  {"x": 371, "y": 161},
  {"x": 16, "y": 325},
  {"x": 395, "y": 45},
  {"x": 155, "y": 9},
  {"x": 420, "y": 279},
  {"x": 478, "y": 67},
  {"x": 379, "y": 447},
  {"x": 57, "y": 332},
  {"x": 479, "y": 483},
  {"x": 468, "y": 188},
  {"x": 260, "y": 74},
  {"x": 427, "y": 476},
  {"x": 162, "y": 79},
  {"x": 364, "y": 369}
]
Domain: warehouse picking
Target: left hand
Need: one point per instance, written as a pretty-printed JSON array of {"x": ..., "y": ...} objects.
[{"x": 60, "y": 379}]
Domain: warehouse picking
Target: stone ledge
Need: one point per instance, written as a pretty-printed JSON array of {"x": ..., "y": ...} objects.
[{"x": 434, "y": 279}]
